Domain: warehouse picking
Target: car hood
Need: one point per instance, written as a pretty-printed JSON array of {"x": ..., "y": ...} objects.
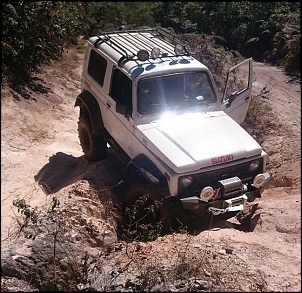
[{"x": 192, "y": 141}]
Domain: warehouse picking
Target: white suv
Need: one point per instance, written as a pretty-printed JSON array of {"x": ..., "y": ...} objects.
[{"x": 144, "y": 95}]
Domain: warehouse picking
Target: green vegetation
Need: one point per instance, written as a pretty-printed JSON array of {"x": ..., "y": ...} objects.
[{"x": 36, "y": 32}]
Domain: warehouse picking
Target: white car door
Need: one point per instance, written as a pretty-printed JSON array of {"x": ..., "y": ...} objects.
[{"x": 238, "y": 89}]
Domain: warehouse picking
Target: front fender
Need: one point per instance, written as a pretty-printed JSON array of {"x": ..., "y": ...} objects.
[{"x": 142, "y": 168}]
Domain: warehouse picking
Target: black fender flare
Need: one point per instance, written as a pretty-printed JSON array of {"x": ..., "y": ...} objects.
[
  {"x": 87, "y": 100},
  {"x": 141, "y": 168}
]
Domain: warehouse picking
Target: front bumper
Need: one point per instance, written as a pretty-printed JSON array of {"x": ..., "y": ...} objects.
[
  {"x": 196, "y": 205},
  {"x": 231, "y": 197}
]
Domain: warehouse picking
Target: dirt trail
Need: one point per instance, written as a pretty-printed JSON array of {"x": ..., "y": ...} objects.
[
  {"x": 40, "y": 154},
  {"x": 36, "y": 126},
  {"x": 284, "y": 93}
]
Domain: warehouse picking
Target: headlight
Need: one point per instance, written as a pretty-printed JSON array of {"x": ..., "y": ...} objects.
[
  {"x": 178, "y": 49},
  {"x": 155, "y": 53},
  {"x": 142, "y": 55},
  {"x": 186, "y": 182},
  {"x": 254, "y": 166}
]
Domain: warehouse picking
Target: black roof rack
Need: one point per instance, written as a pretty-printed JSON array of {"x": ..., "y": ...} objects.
[{"x": 129, "y": 42}]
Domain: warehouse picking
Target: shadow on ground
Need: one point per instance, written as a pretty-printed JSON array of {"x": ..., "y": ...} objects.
[
  {"x": 63, "y": 170},
  {"x": 35, "y": 84}
]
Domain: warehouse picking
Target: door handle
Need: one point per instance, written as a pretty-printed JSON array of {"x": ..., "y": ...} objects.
[{"x": 108, "y": 105}]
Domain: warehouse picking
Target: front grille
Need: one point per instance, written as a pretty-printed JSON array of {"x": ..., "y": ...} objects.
[{"x": 211, "y": 178}]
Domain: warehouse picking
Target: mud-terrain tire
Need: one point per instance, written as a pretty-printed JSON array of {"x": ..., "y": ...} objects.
[
  {"x": 142, "y": 217},
  {"x": 93, "y": 146},
  {"x": 174, "y": 216},
  {"x": 145, "y": 207}
]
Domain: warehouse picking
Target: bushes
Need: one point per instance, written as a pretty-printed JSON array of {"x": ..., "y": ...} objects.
[{"x": 35, "y": 33}]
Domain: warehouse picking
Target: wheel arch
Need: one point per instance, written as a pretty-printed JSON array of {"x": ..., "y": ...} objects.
[
  {"x": 141, "y": 168},
  {"x": 86, "y": 100}
]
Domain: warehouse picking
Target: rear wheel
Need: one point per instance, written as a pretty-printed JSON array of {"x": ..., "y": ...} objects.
[{"x": 93, "y": 146}]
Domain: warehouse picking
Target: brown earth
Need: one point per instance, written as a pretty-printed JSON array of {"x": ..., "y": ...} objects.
[{"x": 41, "y": 158}]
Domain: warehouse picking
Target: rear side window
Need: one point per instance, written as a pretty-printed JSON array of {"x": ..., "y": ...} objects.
[
  {"x": 97, "y": 67},
  {"x": 121, "y": 89}
]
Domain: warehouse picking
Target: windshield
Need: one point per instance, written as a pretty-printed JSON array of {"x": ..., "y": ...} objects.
[{"x": 175, "y": 92}]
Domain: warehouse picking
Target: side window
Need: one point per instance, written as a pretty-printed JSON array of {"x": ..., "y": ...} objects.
[
  {"x": 97, "y": 67},
  {"x": 121, "y": 89}
]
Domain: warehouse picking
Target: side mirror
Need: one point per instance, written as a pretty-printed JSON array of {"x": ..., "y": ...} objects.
[{"x": 122, "y": 109}]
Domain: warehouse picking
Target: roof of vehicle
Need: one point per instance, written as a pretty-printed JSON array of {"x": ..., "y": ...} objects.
[{"x": 125, "y": 48}]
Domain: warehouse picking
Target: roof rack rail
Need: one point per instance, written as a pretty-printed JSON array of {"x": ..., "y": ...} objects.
[
  {"x": 166, "y": 33},
  {"x": 129, "y": 42}
]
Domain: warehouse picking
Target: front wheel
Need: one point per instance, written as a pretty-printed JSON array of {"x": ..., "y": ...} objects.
[
  {"x": 148, "y": 216},
  {"x": 93, "y": 146},
  {"x": 142, "y": 217}
]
